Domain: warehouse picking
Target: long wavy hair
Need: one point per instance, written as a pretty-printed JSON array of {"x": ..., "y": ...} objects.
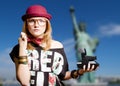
[{"x": 46, "y": 36}]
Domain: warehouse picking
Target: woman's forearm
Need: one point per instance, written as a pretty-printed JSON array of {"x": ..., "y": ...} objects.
[
  {"x": 23, "y": 74},
  {"x": 73, "y": 74},
  {"x": 67, "y": 75}
]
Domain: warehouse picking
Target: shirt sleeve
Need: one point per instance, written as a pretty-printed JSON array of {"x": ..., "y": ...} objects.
[
  {"x": 14, "y": 52},
  {"x": 65, "y": 65}
]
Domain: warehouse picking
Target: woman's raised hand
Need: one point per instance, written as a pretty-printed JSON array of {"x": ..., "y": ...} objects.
[{"x": 23, "y": 40}]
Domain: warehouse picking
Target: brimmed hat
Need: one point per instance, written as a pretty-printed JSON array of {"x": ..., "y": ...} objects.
[{"x": 36, "y": 11}]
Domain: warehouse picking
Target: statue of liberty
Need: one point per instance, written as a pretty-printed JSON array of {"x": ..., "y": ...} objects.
[{"x": 83, "y": 41}]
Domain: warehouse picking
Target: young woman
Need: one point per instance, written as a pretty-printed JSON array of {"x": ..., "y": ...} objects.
[{"x": 40, "y": 60}]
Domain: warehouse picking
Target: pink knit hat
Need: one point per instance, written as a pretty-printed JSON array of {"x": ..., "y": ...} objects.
[{"x": 36, "y": 11}]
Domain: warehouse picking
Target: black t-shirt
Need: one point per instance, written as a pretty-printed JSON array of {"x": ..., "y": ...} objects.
[{"x": 47, "y": 68}]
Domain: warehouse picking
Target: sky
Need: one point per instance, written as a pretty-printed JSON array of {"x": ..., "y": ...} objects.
[{"x": 102, "y": 19}]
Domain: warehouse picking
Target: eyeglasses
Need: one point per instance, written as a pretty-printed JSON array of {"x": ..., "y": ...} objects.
[{"x": 34, "y": 21}]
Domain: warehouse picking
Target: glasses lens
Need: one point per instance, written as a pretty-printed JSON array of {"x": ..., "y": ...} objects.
[
  {"x": 41, "y": 21},
  {"x": 30, "y": 22}
]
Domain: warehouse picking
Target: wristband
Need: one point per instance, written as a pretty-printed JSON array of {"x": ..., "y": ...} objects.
[
  {"x": 73, "y": 75},
  {"x": 79, "y": 73}
]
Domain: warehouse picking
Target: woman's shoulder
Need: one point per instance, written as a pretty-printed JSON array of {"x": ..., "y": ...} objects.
[{"x": 56, "y": 44}]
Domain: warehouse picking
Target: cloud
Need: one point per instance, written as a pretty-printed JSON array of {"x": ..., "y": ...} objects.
[
  {"x": 6, "y": 65},
  {"x": 5, "y": 58},
  {"x": 110, "y": 30},
  {"x": 69, "y": 45},
  {"x": 70, "y": 52}
]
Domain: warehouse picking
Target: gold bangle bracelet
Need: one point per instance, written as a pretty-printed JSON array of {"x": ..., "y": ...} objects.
[
  {"x": 22, "y": 60},
  {"x": 21, "y": 57},
  {"x": 25, "y": 62}
]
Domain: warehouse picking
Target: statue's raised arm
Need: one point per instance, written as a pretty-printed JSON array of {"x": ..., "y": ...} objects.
[{"x": 76, "y": 27}]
